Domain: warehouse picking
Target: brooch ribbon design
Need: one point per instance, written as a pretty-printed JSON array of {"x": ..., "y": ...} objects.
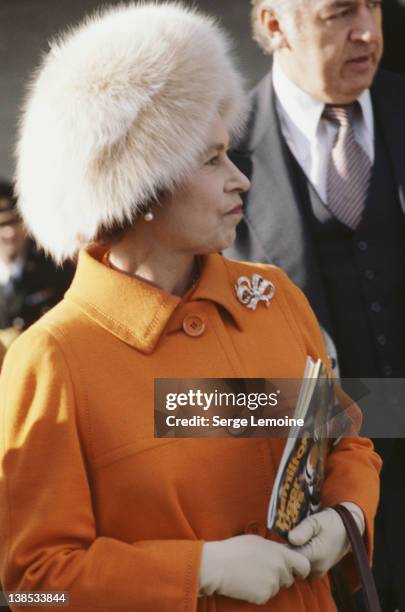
[{"x": 251, "y": 292}]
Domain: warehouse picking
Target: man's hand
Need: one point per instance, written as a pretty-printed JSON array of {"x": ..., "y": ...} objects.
[{"x": 250, "y": 568}]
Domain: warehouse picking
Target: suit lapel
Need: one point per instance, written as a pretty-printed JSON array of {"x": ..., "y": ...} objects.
[{"x": 272, "y": 201}]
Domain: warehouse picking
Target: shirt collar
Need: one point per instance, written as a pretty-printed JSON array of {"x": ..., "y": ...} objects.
[
  {"x": 304, "y": 110},
  {"x": 301, "y": 108},
  {"x": 367, "y": 109},
  {"x": 11, "y": 270},
  {"x": 142, "y": 312}
]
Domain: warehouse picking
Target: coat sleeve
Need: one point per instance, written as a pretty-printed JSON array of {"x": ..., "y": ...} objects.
[
  {"x": 48, "y": 533},
  {"x": 353, "y": 467}
]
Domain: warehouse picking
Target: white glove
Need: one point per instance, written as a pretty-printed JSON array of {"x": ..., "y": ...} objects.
[
  {"x": 250, "y": 568},
  {"x": 322, "y": 538}
]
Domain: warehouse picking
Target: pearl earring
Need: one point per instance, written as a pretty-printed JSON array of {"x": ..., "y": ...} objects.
[{"x": 149, "y": 216}]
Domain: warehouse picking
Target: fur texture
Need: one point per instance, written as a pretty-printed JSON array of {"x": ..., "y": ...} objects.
[{"x": 119, "y": 109}]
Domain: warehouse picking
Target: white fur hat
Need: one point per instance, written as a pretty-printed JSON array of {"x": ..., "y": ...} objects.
[{"x": 119, "y": 110}]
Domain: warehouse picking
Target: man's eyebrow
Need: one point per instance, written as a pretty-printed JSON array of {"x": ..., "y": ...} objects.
[{"x": 340, "y": 4}]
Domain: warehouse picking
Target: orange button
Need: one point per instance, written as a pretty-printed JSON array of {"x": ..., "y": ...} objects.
[
  {"x": 256, "y": 528},
  {"x": 193, "y": 325}
]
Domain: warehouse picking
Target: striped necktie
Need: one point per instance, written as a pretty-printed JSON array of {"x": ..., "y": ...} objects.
[{"x": 349, "y": 169}]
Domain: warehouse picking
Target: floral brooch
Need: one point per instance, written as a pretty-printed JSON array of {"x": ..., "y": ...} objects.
[{"x": 252, "y": 291}]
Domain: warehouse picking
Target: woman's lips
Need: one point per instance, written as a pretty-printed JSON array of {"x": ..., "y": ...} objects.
[{"x": 237, "y": 210}]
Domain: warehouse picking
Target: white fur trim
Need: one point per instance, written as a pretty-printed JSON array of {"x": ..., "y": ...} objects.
[{"x": 120, "y": 108}]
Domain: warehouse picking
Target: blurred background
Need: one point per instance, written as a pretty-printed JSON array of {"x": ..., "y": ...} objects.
[{"x": 26, "y": 26}]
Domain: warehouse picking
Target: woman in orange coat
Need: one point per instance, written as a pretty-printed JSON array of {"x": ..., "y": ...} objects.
[{"x": 133, "y": 111}]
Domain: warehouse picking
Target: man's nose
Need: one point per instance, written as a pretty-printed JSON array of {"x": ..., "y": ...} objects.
[{"x": 367, "y": 28}]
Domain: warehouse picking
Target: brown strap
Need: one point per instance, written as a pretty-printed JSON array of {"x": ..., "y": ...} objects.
[{"x": 360, "y": 555}]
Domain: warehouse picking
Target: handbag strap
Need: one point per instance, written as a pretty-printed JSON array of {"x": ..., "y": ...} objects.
[{"x": 360, "y": 556}]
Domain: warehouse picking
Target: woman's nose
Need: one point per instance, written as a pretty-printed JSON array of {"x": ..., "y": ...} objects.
[{"x": 240, "y": 181}]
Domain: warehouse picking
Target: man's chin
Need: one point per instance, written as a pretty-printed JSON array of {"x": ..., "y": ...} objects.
[
  {"x": 351, "y": 91},
  {"x": 360, "y": 79}
]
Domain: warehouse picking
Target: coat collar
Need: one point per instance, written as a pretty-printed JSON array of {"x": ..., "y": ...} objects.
[{"x": 139, "y": 313}]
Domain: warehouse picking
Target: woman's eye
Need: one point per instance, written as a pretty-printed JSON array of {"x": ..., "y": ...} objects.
[{"x": 213, "y": 161}]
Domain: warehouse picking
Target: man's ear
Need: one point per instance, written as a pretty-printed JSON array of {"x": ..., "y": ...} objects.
[{"x": 272, "y": 26}]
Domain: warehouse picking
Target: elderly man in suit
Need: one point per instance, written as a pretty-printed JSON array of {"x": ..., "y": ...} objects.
[{"x": 324, "y": 150}]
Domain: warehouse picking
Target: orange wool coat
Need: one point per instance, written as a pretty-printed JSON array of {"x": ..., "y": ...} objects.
[{"x": 91, "y": 502}]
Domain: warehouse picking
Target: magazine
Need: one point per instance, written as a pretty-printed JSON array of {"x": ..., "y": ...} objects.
[{"x": 296, "y": 490}]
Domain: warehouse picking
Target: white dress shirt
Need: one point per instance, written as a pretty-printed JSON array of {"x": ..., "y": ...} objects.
[
  {"x": 309, "y": 136},
  {"x": 9, "y": 271}
]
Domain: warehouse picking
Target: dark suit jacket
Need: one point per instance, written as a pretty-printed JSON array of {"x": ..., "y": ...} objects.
[
  {"x": 394, "y": 35},
  {"x": 274, "y": 229}
]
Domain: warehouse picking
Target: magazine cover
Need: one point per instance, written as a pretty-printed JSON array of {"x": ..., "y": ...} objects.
[{"x": 296, "y": 490}]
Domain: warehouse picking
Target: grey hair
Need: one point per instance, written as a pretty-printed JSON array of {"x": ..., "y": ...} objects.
[{"x": 287, "y": 8}]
